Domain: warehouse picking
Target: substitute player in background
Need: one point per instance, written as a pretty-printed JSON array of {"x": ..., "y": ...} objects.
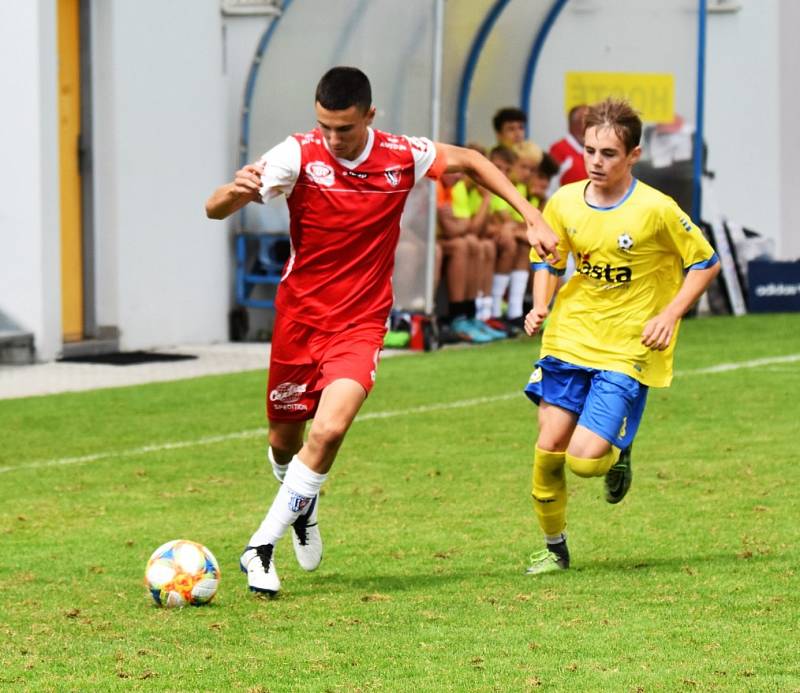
[
  {"x": 641, "y": 264},
  {"x": 346, "y": 184}
]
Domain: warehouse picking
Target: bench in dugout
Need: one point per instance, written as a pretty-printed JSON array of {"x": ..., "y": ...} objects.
[{"x": 260, "y": 258}]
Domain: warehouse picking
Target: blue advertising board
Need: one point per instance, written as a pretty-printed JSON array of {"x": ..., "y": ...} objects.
[{"x": 773, "y": 287}]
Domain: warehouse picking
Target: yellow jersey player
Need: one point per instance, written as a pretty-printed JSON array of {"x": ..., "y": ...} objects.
[{"x": 640, "y": 265}]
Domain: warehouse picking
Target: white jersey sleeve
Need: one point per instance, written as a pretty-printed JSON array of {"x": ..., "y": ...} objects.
[
  {"x": 424, "y": 152},
  {"x": 281, "y": 169}
]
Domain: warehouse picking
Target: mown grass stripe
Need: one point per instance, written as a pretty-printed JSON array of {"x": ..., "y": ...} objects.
[{"x": 422, "y": 409}]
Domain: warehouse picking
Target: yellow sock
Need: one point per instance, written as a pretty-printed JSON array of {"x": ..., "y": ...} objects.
[
  {"x": 593, "y": 466},
  {"x": 549, "y": 491}
]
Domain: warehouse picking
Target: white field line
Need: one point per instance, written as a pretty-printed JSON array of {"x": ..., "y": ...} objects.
[{"x": 422, "y": 409}]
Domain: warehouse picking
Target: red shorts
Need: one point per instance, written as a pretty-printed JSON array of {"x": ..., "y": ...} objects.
[{"x": 303, "y": 360}]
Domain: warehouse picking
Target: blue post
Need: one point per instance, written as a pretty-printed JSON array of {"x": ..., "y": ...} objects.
[
  {"x": 469, "y": 69},
  {"x": 700, "y": 112}
]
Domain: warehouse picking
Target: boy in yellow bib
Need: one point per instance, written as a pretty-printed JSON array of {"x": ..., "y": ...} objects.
[{"x": 640, "y": 265}]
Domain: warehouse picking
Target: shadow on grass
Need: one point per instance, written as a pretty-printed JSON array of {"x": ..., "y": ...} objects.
[
  {"x": 674, "y": 564},
  {"x": 388, "y": 583}
]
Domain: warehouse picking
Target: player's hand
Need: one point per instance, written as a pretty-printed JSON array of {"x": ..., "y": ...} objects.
[
  {"x": 534, "y": 320},
  {"x": 247, "y": 181},
  {"x": 658, "y": 332},
  {"x": 543, "y": 240}
]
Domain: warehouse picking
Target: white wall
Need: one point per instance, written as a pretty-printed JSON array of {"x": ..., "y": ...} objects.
[
  {"x": 162, "y": 270},
  {"x": 30, "y": 272},
  {"x": 789, "y": 128},
  {"x": 743, "y": 102}
]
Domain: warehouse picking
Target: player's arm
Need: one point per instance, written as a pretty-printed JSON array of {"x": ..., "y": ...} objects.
[
  {"x": 486, "y": 174},
  {"x": 478, "y": 221},
  {"x": 544, "y": 286},
  {"x": 231, "y": 197},
  {"x": 658, "y": 331},
  {"x": 702, "y": 263},
  {"x": 451, "y": 226}
]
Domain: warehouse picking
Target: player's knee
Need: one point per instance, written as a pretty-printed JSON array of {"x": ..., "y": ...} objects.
[
  {"x": 327, "y": 433},
  {"x": 551, "y": 441},
  {"x": 587, "y": 466}
]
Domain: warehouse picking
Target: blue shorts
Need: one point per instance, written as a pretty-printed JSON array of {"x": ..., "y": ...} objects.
[{"x": 608, "y": 403}]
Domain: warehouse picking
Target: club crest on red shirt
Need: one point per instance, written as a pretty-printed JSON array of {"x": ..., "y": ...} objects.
[{"x": 393, "y": 176}]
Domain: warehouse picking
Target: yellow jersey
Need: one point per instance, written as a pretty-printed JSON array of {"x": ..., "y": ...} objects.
[
  {"x": 498, "y": 204},
  {"x": 630, "y": 259}
]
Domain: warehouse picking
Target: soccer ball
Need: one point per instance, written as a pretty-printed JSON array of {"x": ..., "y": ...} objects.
[
  {"x": 182, "y": 572},
  {"x": 625, "y": 242}
]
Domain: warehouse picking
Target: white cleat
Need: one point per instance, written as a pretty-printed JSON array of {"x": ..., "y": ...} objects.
[
  {"x": 306, "y": 538},
  {"x": 257, "y": 562}
]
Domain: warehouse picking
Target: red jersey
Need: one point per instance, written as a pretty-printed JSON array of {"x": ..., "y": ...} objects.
[
  {"x": 344, "y": 224},
  {"x": 568, "y": 152}
]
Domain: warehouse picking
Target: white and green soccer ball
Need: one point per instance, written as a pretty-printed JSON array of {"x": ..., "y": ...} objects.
[{"x": 180, "y": 573}]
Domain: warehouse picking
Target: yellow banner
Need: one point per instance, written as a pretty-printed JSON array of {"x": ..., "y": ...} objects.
[{"x": 650, "y": 93}]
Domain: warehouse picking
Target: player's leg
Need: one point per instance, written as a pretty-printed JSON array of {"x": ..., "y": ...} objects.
[
  {"x": 559, "y": 389},
  {"x": 475, "y": 325},
  {"x": 285, "y": 441},
  {"x": 295, "y": 504},
  {"x": 518, "y": 283},
  {"x": 549, "y": 489},
  {"x": 338, "y": 406},
  {"x": 601, "y": 444},
  {"x": 460, "y": 256},
  {"x": 488, "y": 256},
  {"x": 506, "y": 253},
  {"x": 290, "y": 403}
]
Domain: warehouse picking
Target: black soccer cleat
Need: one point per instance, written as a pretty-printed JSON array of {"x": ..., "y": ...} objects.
[{"x": 618, "y": 478}]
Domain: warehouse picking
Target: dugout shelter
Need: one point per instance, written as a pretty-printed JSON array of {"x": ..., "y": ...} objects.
[{"x": 446, "y": 67}]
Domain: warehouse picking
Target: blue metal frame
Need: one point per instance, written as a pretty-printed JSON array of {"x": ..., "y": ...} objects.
[
  {"x": 472, "y": 62},
  {"x": 267, "y": 271},
  {"x": 699, "y": 113},
  {"x": 244, "y": 137},
  {"x": 533, "y": 57}
]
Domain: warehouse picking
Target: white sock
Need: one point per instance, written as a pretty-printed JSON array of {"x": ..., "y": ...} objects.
[
  {"x": 499, "y": 286},
  {"x": 299, "y": 487},
  {"x": 279, "y": 470},
  {"x": 516, "y": 292},
  {"x": 484, "y": 307},
  {"x": 557, "y": 539}
]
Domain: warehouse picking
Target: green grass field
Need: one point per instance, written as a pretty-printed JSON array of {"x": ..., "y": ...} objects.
[{"x": 690, "y": 584}]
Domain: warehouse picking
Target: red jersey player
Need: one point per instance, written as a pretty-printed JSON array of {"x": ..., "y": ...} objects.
[
  {"x": 568, "y": 152},
  {"x": 345, "y": 185}
]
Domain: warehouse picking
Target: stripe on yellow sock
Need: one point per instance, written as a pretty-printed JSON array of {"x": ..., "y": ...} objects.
[
  {"x": 592, "y": 466},
  {"x": 549, "y": 491}
]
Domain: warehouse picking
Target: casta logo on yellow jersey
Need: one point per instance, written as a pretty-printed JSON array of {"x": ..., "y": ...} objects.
[{"x": 613, "y": 275}]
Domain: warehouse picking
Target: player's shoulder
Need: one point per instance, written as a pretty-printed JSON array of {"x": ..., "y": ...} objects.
[
  {"x": 571, "y": 193},
  {"x": 391, "y": 145},
  {"x": 652, "y": 197},
  {"x": 312, "y": 137}
]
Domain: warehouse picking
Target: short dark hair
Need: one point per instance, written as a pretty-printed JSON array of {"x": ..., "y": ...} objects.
[
  {"x": 511, "y": 114},
  {"x": 342, "y": 87},
  {"x": 618, "y": 115},
  {"x": 548, "y": 166}
]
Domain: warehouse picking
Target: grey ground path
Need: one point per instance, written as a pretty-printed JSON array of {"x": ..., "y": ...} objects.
[
  {"x": 58, "y": 376},
  {"x": 212, "y": 359}
]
